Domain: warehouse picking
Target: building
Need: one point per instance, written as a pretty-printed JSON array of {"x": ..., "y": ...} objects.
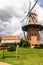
[
  {"x": 32, "y": 30},
  {"x": 10, "y": 39}
]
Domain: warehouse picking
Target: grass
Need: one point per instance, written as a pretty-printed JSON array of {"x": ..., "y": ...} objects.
[{"x": 26, "y": 56}]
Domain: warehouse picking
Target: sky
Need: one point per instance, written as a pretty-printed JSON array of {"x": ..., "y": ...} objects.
[
  {"x": 41, "y": 3},
  {"x": 12, "y": 13}
]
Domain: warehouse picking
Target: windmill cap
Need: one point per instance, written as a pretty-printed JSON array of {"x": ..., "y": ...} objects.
[{"x": 32, "y": 14}]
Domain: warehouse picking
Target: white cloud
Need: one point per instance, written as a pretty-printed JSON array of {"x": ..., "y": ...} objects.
[{"x": 13, "y": 23}]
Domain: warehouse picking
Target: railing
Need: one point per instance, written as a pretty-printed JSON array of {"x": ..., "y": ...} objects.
[{"x": 3, "y": 48}]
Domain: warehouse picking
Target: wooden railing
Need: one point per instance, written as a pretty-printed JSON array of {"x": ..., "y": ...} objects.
[{"x": 3, "y": 48}]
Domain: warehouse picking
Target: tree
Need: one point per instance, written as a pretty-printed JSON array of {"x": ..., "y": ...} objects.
[{"x": 24, "y": 43}]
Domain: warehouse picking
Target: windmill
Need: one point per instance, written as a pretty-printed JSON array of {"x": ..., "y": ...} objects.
[
  {"x": 33, "y": 27},
  {"x": 27, "y": 16}
]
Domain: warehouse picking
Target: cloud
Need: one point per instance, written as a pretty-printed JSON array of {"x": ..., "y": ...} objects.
[
  {"x": 6, "y": 14},
  {"x": 9, "y": 28},
  {"x": 11, "y": 13}
]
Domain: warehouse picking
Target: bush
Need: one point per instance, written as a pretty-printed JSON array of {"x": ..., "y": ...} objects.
[
  {"x": 25, "y": 44},
  {"x": 11, "y": 48},
  {"x": 21, "y": 42},
  {"x": 41, "y": 46},
  {"x": 5, "y": 44}
]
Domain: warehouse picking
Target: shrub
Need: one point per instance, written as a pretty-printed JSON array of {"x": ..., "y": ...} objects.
[
  {"x": 41, "y": 46},
  {"x": 3, "y": 45},
  {"x": 11, "y": 48},
  {"x": 21, "y": 42},
  {"x": 25, "y": 44}
]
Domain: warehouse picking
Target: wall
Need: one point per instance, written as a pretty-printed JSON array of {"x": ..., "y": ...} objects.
[{"x": 33, "y": 36}]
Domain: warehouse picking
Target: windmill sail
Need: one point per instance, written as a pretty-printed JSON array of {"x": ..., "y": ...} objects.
[
  {"x": 29, "y": 11},
  {"x": 30, "y": 18},
  {"x": 33, "y": 6}
]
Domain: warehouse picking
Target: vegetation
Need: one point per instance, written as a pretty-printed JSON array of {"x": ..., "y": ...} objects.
[
  {"x": 24, "y": 43},
  {"x": 41, "y": 45},
  {"x": 26, "y": 56},
  {"x": 8, "y": 44},
  {"x": 11, "y": 47},
  {"x": 37, "y": 46}
]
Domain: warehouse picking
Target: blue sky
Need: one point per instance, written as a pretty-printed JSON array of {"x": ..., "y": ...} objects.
[
  {"x": 13, "y": 11},
  {"x": 41, "y": 3}
]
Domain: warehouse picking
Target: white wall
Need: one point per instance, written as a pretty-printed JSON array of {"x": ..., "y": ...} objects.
[{"x": 10, "y": 41}]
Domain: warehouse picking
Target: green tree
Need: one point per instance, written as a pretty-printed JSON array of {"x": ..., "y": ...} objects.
[{"x": 24, "y": 43}]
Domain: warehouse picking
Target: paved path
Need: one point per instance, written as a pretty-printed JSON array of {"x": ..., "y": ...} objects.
[{"x": 2, "y": 63}]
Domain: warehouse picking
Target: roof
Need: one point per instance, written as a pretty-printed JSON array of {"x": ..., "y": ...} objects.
[
  {"x": 32, "y": 13},
  {"x": 10, "y": 37}
]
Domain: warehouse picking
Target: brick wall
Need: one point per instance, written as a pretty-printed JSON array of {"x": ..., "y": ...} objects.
[{"x": 33, "y": 36}]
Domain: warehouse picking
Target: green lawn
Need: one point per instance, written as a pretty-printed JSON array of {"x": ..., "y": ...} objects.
[{"x": 26, "y": 56}]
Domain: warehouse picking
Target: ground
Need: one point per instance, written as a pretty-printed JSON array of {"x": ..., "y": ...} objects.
[
  {"x": 26, "y": 56},
  {"x": 2, "y": 63}
]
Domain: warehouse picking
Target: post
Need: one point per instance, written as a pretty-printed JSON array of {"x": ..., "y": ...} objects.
[
  {"x": 16, "y": 51},
  {"x": 24, "y": 34},
  {"x": 3, "y": 53}
]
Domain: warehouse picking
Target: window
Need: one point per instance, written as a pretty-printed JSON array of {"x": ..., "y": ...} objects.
[
  {"x": 35, "y": 35},
  {"x": 32, "y": 34}
]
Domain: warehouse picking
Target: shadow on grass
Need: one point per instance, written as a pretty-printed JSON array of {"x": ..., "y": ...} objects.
[{"x": 11, "y": 56}]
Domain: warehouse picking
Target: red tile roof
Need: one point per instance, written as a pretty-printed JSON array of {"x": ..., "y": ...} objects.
[{"x": 11, "y": 38}]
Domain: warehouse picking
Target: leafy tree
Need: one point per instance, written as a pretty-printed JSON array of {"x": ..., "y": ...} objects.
[
  {"x": 11, "y": 48},
  {"x": 24, "y": 43}
]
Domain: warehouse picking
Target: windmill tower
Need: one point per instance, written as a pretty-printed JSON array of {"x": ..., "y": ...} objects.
[{"x": 32, "y": 28}]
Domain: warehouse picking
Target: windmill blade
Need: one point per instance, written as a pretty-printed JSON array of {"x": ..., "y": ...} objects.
[
  {"x": 28, "y": 11},
  {"x": 24, "y": 18},
  {"x": 33, "y": 6},
  {"x": 29, "y": 6}
]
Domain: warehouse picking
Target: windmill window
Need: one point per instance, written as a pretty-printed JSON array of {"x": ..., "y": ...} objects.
[
  {"x": 32, "y": 34},
  {"x": 35, "y": 34}
]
